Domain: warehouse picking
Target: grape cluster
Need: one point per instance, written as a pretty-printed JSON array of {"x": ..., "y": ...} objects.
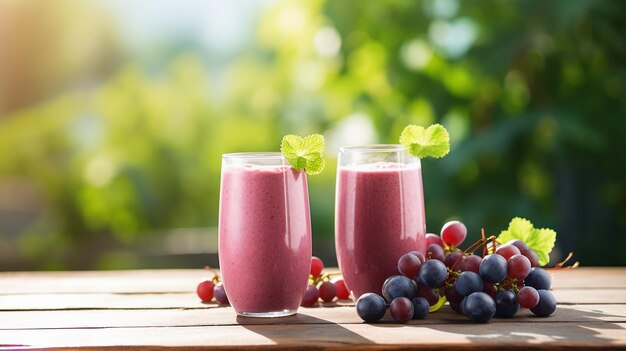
[
  {"x": 498, "y": 284},
  {"x": 320, "y": 286},
  {"x": 209, "y": 289}
]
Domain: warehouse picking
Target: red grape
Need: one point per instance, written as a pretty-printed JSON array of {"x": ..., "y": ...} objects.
[
  {"x": 453, "y": 233},
  {"x": 454, "y": 258},
  {"x": 433, "y": 239},
  {"x": 528, "y": 297},
  {"x": 507, "y": 251},
  {"x": 328, "y": 291},
  {"x": 409, "y": 265},
  {"x": 220, "y": 294},
  {"x": 205, "y": 290},
  {"x": 471, "y": 263},
  {"x": 311, "y": 295},
  {"x": 419, "y": 255},
  {"x": 435, "y": 252},
  {"x": 490, "y": 289},
  {"x": 401, "y": 309},
  {"x": 342, "y": 290},
  {"x": 316, "y": 266},
  {"x": 519, "y": 266},
  {"x": 532, "y": 257}
]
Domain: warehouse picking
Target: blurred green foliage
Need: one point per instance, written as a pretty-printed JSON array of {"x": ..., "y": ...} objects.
[{"x": 532, "y": 93}]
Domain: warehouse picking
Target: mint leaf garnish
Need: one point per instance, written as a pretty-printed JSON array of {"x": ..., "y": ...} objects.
[
  {"x": 304, "y": 153},
  {"x": 433, "y": 141},
  {"x": 539, "y": 240}
]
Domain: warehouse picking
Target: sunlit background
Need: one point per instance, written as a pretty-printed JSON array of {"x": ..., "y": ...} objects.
[{"x": 114, "y": 115}]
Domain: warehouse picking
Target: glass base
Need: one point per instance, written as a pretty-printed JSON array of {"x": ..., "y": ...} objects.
[{"x": 274, "y": 314}]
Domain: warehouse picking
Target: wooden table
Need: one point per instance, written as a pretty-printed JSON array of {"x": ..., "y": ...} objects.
[{"x": 158, "y": 309}]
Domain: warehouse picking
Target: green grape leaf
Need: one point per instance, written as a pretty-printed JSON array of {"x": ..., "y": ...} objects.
[
  {"x": 304, "y": 153},
  {"x": 539, "y": 240},
  {"x": 433, "y": 141}
]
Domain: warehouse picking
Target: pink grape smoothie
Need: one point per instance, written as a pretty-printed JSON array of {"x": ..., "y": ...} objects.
[
  {"x": 379, "y": 217},
  {"x": 264, "y": 238}
]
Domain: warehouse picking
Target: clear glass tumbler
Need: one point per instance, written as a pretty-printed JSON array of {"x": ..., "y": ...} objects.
[
  {"x": 379, "y": 213},
  {"x": 264, "y": 234}
]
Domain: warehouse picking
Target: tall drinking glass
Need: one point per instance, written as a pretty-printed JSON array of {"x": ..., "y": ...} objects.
[
  {"x": 264, "y": 234},
  {"x": 379, "y": 213}
]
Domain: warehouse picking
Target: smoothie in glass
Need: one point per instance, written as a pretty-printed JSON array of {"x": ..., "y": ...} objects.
[
  {"x": 264, "y": 234},
  {"x": 379, "y": 213}
]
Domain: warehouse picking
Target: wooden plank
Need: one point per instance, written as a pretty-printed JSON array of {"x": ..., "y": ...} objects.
[
  {"x": 185, "y": 280},
  {"x": 190, "y": 300},
  {"x": 321, "y": 336},
  {"x": 226, "y": 316}
]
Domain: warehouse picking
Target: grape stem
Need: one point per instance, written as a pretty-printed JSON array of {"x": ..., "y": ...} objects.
[
  {"x": 322, "y": 278},
  {"x": 216, "y": 277},
  {"x": 561, "y": 265}
]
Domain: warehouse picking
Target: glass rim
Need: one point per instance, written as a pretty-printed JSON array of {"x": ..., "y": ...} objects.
[
  {"x": 375, "y": 148},
  {"x": 254, "y": 155}
]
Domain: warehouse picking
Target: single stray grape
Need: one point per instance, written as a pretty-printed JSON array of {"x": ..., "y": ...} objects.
[
  {"x": 220, "y": 294},
  {"x": 205, "y": 290}
]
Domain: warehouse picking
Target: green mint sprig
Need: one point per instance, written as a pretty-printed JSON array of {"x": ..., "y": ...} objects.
[
  {"x": 539, "y": 240},
  {"x": 433, "y": 141},
  {"x": 304, "y": 153}
]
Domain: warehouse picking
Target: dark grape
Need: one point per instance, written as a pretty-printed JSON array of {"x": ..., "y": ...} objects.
[
  {"x": 528, "y": 297},
  {"x": 429, "y": 294},
  {"x": 506, "y": 304},
  {"x": 471, "y": 263},
  {"x": 409, "y": 265},
  {"x": 546, "y": 305},
  {"x": 433, "y": 239},
  {"x": 420, "y": 307},
  {"x": 205, "y": 290},
  {"x": 453, "y": 260},
  {"x": 328, "y": 291},
  {"x": 316, "y": 266},
  {"x": 401, "y": 309},
  {"x": 479, "y": 307},
  {"x": 518, "y": 266},
  {"x": 467, "y": 283},
  {"x": 399, "y": 286},
  {"x": 507, "y": 251},
  {"x": 435, "y": 252},
  {"x": 371, "y": 307},
  {"x": 538, "y": 278},
  {"x": 432, "y": 273},
  {"x": 493, "y": 268},
  {"x": 342, "y": 290},
  {"x": 311, "y": 295},
  {"x": 453, "y": 233},
  {"x": 220, "y": 294},
  {"x": 453, "y": 295}
]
